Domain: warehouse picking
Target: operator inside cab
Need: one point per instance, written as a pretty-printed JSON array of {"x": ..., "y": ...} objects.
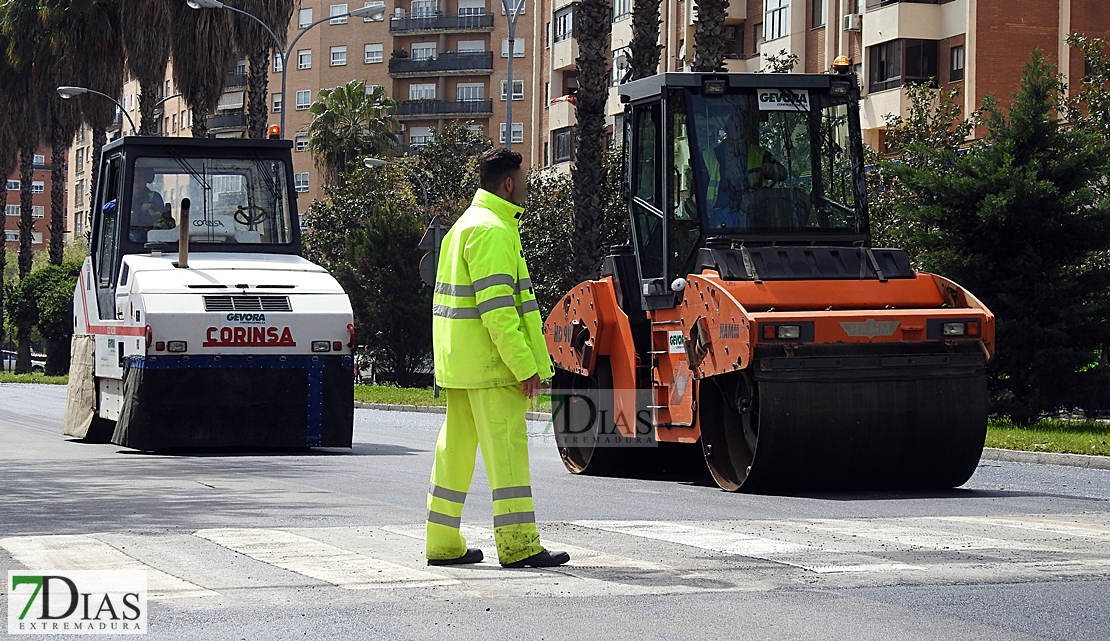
[
  {"x": 148, "y": 210},
  {"x": 738, "y": 167}
]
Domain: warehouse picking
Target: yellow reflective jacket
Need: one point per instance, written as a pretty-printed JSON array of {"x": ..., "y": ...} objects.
[{"x": 486, "y": 324}]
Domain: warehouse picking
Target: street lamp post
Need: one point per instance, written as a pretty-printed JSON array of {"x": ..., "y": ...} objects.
[
  {"x": 511, "y": 14},
  {"x": 371, "y": 162},
  {"x": 374, "y": 13},
  {"x": 67, "y": 92}
]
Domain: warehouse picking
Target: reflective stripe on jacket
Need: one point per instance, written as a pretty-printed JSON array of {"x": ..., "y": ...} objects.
[{"x": 486, "y": 325}]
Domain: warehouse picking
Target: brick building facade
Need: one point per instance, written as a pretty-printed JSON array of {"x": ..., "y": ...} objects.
[{"x": 40, "y": 199}]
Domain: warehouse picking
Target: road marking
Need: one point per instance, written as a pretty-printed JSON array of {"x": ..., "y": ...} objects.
[
  {"x": 1050, "y": 526},
  {"x": 321, "y": 561},
  {"x": 83, "y": 552},
  {"x": 913, "y": 537},
  {"x": 807, "y": 557}
]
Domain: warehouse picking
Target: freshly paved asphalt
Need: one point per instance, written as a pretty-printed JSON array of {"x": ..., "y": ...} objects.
[{"x": 1026, "y": 575}]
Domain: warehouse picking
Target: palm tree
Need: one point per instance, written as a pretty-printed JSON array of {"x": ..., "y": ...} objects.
[
  {"x": 259, "y": 48},
  {"x": 347, "y": 124},
  {"x": 8, "y": 145},
  {"x": 709, "y": 35},
  {"x": 593, "y": 22},
  {"x": 202, "y": 44},
  {"x": 147, "y": 48},
  {"x": 645, "y": 47}
]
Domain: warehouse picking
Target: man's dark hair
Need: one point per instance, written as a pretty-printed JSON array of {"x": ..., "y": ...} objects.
[{"x": 494, "y": 165}]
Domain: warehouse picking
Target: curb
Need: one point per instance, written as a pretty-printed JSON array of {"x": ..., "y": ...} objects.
[
  {"x": 433, "y": 409},
  {"x": 1047, "y": 458},
  {"x": 989, "y": 453}
]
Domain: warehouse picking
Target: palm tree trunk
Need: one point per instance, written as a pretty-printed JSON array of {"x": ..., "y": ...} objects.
[
  {"x": 645, "y": 47},
  {"x": 26, "y": 226},
  {"x": 709, "y": 35},
  {"x": 588, "y": 172},
  {"x": 99, "y": 138},
  {"x": 58, "y": 146},
  {"x": 148, "y": 97},
  {"x": 258, "y": 111},
  {"x": 200, "y": 122}
]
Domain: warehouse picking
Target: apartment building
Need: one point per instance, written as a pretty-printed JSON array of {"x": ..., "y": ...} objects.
[
  {"x": 978, "y": 46},
  {"x": 40, "y": 207}
]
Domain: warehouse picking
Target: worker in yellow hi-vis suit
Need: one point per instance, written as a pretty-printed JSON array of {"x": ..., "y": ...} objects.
[{"x": 490, "y": 355}]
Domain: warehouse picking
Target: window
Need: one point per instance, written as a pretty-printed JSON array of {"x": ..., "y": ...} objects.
[
  {"x": 423, "y": 50},
  {"x": 776, "y": 19},
  {"x": 897, "y": 62},
  {"x": 304, "y": 59},
  {"x": 38, "y": 211},
  {"x": 563, "y": 141},
  {"x": 472, "y": 7},
  {"x": 518, "y": 89},
  {"x": 174, "y": 117},
  {"x": 339, "y": 56},
  {"x": 423, "y": 8},
  {"x": 38, "y": 160},
  {"x": 300, "y": 182},
  {"x": 370, "y": 89},
  {"x": 518, "y": 132},
  {"x": 422, "y": 92},
  {"x": 373, "y": 53},
  {"x": 11, "y": 235},
  {"x": 275, "y": 103},
  {"x": 304, "y": 99},
  {"x": 300, "y": 142},
  {"x": 956, "y": 70},
  {"x": 470, "y": 46},
  {"x": 36, "y": 238},
  {"x": 79, "y": 193},
  {"x": 304, "y": 18},
  {"x": 470, "y": 92},
  {"x": 278, "y": 64},
  {"x": 516, "y": 5},
  {"x": 620, "y": 65},
  {"x": 518, "y": 48},
  {"x": 38, "y": 187},
  {"x": 622, "y": 10},
  {"x": 338, "y": 14},
  {"x": 478, "y": 129},
  {"x": 13, "y": 185},
  {"x": 420, "y": 136},
  {"x": 373, "y": 4},
  {"x": 760, "y": 36},
  {"x": 12, "y": 210},
  {"x": 564, "y": 24},
  {"x": 820, "y": 8}
]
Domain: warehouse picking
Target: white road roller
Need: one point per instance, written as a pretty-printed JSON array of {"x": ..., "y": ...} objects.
[{"x": 197, "y": 323}]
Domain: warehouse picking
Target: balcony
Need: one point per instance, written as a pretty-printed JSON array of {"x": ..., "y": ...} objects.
[
  {"x": 914, "y": 20},
  {"x": 561, "y": 114},
  {"x": 450, "y": 63},
  {"x": 420, "y": 109},
  {"x": 564, "y": 53},
  {"x": 876, "y": 4},
  {"x": 236, "y": 80},
  {"x": 220, "y": 121},
  {"x": 440, "y": 24}
]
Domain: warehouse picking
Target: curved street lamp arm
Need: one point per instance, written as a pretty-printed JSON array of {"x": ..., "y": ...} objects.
[{"x": 134, "y": 129}]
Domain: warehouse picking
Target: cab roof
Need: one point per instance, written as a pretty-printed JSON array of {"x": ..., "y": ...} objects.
[
  {"x": 159, "y": 145},
  {"x": 653, "y": 86}
]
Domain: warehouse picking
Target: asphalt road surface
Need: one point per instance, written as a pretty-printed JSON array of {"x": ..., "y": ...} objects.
[{"x": 329, "y": 545}]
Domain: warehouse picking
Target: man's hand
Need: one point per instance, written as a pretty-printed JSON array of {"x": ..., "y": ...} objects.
[{"x": 531, "y": 387}]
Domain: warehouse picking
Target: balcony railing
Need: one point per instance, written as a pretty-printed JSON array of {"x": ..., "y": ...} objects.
[
  {"x": 875, "y": 4},
  {"x": 449, "y": 61},
  {"x": 236, "y": 80},
  {"x": 227, "y": 120},
  {"x": 443, "y": 107},
  {"x": 441, "y": 23}
]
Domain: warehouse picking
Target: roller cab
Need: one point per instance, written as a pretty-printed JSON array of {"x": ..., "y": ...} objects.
[
  {"x": 751, "y": 317},
  {"x": 197, "y": 324}
]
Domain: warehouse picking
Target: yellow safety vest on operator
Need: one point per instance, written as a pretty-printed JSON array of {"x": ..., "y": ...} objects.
[
  {"x": 486, "y": 324},
  {"x": 754, "y": 173}
]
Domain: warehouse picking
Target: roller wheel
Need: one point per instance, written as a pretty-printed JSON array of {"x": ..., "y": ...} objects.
[
  {"x": 584, "y": 457},
  {"x": 729, "y": 419}
]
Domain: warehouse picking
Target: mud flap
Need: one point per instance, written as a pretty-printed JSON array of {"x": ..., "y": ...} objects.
[
  {"x": 236, "y": 401},
  {"x": 81, "y": 390}
]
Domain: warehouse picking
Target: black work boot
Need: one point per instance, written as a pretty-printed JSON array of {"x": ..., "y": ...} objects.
[
  {"x": 544, "y": 559},
  {"x": 473, "y": 555}
]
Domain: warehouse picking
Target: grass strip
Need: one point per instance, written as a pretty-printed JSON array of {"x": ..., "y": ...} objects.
[
  {"x": 8, "y": 377},
  {"x": 390, "y": 395},
  {"x": 1051, "y": 435}
]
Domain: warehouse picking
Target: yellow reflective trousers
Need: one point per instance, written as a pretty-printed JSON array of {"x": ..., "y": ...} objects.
[{"x": 494, "y": 418}]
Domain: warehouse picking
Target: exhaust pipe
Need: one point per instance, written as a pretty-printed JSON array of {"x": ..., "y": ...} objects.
[{"x": 183, "y": 236}]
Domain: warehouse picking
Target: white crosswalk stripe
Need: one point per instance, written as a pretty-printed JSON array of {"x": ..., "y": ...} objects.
[
  {"x": 83, "y": 552},
  {"x": 609, "y": 557},
  {"x": 321, "y": 561}
]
